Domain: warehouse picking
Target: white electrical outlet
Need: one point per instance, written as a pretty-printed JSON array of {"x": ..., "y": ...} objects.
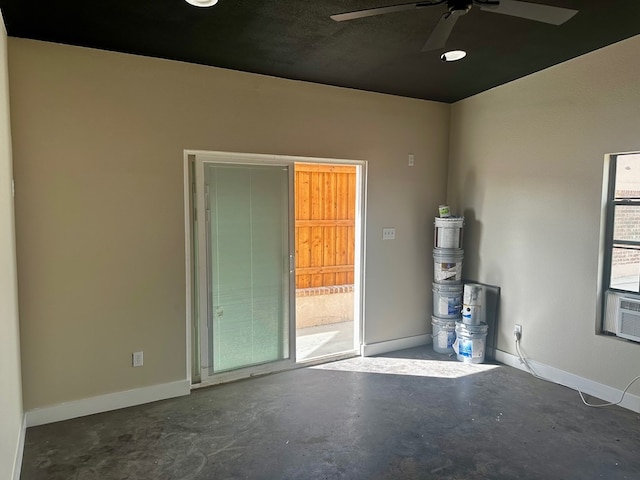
[
  {"x": 388, "y": 233},
  {"x": 138, "y": 359},
  {"x": 411, "y": 160},
  {"x": 517, "y": 330}
]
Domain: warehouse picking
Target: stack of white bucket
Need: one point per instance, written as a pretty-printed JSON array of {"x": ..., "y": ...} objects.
[
  {"x": 471, "y": 333},
  {"x": 447, "y": 276}
]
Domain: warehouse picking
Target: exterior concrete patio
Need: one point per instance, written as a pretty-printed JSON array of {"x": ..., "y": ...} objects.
[{"x": 324, "y": 321}]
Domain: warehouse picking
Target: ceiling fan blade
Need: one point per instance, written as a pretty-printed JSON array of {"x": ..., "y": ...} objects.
[
  {"x": 440, "y": 34},
  {"x": 341, "y": 17},
  {"x": 532, "y": 11},
  {"x": 370, "y": 12}
]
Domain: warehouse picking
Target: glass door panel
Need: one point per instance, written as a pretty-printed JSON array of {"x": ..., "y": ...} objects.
[{"x": 245, "y": 285}]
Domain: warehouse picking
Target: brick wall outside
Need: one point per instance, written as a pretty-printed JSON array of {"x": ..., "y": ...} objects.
[{"x": 627, "y": 227}]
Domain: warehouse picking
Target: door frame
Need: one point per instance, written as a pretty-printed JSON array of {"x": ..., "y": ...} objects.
[{"x": 191, "y": 320}]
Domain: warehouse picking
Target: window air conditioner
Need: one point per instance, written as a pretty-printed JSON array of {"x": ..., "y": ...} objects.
[{"x": 628, "y": 318}]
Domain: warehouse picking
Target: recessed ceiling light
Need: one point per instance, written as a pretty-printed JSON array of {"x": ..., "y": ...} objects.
[
  {"x": 202, "y": 3},
  {"x": 453, "y": 55}
]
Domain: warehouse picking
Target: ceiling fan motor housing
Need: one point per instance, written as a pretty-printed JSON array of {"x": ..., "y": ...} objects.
[{"x": 459, "y": 7}]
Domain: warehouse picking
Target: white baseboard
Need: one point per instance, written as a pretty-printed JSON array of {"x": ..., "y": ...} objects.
[
  {"x": 17, "y": 462},
  {"x": 105, "y": 403},
  {"x": 586, "y": 386},
  {"x": 378, "y": 348}
]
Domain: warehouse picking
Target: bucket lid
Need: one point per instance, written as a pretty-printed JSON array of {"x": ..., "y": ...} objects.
[
  {"x": 443, "y": 287},
  {"x": 471, "y": 329},
  {"x": 448, "y": 219},
  {"x": 448, "y": 252},
  {"x": 443, "y": 322}
]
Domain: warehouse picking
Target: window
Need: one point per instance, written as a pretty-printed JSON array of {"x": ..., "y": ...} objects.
[{"x": 622, "y": 247}]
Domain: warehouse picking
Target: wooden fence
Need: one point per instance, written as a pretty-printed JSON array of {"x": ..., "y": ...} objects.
[{"x": 325, "y": 224}]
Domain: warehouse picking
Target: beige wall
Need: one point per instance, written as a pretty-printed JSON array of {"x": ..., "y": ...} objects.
[
  {"x": 11, "y": 391},
  {"x": 98, "y": 143},
  {"x": 98, "y": 140},
  {"x": 526, "y": 166}
]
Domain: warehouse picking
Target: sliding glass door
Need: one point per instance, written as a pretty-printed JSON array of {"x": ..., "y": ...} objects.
[{"x": 245, "y": 266}]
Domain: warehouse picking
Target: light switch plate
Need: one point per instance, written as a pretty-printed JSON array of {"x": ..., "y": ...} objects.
[{"x": 137, "y": 359}]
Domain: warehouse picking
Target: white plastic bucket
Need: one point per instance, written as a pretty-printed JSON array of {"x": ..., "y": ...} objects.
[
  {"x": 471, "y": 314},
  {"x": 447, "y": 265},
  {"x": 444, "y": 334},
  {"x": 470, "y": 343},
  {"x": 448, "y": 232},
  {"x": 447, "y": 300},
  {"x": 472, "y": 294}
]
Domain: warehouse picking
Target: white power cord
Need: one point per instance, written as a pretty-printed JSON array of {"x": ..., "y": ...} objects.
[{"x": 530, "y": 369}]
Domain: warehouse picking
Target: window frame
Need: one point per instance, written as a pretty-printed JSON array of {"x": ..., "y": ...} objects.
[{"x": 610, "y": 243}]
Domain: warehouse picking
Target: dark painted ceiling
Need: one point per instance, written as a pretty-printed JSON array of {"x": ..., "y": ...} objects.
[{"x": 296, "y": 39}]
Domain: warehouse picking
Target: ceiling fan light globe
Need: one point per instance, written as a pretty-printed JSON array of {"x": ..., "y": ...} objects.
[{"x": 202, "y": 3}]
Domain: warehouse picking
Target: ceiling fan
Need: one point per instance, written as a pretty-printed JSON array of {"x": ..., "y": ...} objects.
[{"x": 457, "y": 8}]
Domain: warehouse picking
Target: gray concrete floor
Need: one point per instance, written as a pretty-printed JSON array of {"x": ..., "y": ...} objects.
[{"x": 412, "y": 414}]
